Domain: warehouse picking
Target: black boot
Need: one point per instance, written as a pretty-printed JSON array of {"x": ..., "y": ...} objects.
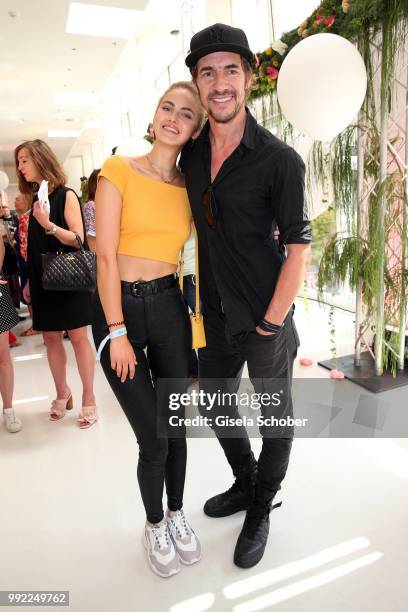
[
  {"x": 238, "y": 497},
  {"x": 252, "y": 540}
]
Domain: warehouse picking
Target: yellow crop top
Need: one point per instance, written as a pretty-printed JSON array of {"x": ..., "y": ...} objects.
[{"x": 156, "y": 216}]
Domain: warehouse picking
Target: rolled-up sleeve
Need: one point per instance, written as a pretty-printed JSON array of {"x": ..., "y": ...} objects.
[{"x": 289, "y": 199}]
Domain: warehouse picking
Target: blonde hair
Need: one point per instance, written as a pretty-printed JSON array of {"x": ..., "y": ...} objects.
[
  {"x": 190, "y": 87},
  {"x": 45, "y": 161}
]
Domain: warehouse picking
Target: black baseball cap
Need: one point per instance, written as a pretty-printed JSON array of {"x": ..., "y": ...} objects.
[{"x": 218, "y": 37}]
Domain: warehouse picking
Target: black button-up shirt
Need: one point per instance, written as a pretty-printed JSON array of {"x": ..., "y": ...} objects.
[{"x": 261, "y": 183}]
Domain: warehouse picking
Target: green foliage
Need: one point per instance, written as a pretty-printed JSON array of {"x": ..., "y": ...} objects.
[
  {"x": 341, "y": 262},
  {"x": 323, "y": 227},
  {"x": 342, "y": 173},
  {"x": 357, "y": 259},
  {"x": 332, "y": 331},
  {"x": 84, "y": 190}
]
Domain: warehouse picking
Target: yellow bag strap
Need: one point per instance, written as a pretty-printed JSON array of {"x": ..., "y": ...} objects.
[
  {"x": 197, "y": 271},
  {"x": 197, "y": 277},
  {"x": 181, "y": 269}
]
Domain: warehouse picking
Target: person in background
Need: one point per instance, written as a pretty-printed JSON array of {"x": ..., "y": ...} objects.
[
  {"x": 22, "y": 205},
  {"x": 56, "y": 311},
  {"x": 8, "y": 217},
  {"x": 8, "y": 224},
  {"x": 8, "y": 318},
  {"x": 89, "y": 209},
  {"x": 143, "y": 218}
]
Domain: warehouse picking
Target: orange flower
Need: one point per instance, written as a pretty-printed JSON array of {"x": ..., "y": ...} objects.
[{"x": 268, "y": 51}]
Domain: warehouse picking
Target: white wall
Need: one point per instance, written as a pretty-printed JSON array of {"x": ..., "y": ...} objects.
[
  {"x": 128, "y": 100},
  {"x": 149, "y": 62},
  {"x": 74, "y": 169}
]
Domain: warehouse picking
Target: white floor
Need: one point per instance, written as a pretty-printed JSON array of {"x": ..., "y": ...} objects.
[{"x": 71, "y": 515}]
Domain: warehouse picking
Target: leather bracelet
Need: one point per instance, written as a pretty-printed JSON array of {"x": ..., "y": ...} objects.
[
  {"x": 270, "y": 327},
  {"x": 108, "y": 325}
]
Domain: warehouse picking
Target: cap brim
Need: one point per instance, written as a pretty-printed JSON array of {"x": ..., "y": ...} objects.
[{"x": 193, "y": 57}]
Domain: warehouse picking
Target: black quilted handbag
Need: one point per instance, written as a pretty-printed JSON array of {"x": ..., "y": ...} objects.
[{"x": 72, "y": 271}]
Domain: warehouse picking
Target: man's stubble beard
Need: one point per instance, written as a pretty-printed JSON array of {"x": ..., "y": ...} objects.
[{"x": 226, "y": 118}]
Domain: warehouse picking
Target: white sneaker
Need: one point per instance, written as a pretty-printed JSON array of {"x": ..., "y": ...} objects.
[
  {"x": 161, "y": 553},
  {"x": 13, "y": 423},
  {"x": 184, "y": 538}
]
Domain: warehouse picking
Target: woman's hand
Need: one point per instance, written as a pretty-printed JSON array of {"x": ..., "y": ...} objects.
[
  {"x": 26, "y": 293},
  {"x": 123, "y": 358},
  {"x": 3, "y": 281},
  {"x": 42, "y": 216}
]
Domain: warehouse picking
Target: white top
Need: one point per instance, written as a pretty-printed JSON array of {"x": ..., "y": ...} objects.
[{"x": 189, "y": 255}]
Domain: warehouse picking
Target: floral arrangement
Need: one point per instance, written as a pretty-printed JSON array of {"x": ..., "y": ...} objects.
[
  {"x": 149, "y": 136},
  {"x": 343, "y": 17}
]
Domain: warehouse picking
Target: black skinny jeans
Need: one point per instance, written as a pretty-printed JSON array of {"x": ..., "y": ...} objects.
[
  {"x": 160, "y": 324},
  {"x": 270, "y": 366}
]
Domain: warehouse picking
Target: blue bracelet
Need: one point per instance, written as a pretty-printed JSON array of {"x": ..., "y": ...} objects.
[{"x": 115, "y": 334}]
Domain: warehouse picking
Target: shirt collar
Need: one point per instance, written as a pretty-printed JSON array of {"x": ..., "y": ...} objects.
[{"x": 248, "y": 138}]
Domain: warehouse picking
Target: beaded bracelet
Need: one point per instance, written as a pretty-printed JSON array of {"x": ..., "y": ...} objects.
[{"x": 115, "y": 324}]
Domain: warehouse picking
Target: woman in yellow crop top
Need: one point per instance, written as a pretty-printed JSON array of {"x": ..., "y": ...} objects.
[{"x": 143, "y": 218}]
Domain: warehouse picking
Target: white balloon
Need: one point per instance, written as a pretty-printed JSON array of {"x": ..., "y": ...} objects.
[
  {"x": 4, "y": 181},
  {"x": 322, "y": 85}
]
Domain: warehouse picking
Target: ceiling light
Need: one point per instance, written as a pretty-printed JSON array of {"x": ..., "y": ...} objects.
[
  {"x": 74, "y": 99},
  {"x": 95, "y": 20},
  {"x": 63, "y": 133}
]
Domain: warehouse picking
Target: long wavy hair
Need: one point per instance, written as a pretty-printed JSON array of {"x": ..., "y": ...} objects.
[{"x": 46, "y": 162}]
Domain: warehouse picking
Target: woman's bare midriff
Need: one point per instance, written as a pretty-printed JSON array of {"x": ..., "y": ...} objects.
[{"x": 138, "y": 268}]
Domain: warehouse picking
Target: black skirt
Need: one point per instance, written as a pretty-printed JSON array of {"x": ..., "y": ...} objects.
[{"x": 8, "y": 314}]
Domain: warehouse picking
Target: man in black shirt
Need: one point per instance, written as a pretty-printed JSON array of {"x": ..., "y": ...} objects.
[{"x": 241, "y": 181}]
